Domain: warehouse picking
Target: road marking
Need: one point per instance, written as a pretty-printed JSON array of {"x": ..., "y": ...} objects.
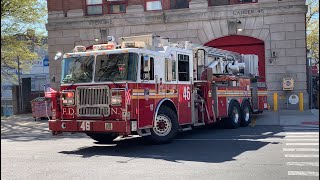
[
  {"x": 302, "y": 163},
  {"x": 302, "y": 136},
  {"x": 305, "y": 133},
  {"x": 264, "y": 140},
  {"x": 301, "y": 155},
  {"x": 300, "y": 149},
  {"x": 266, "y": 133},
  {"x": 311, "y": 128},
  {"x": 300, "y": 130},
  {"x": 302, "y": 144},
  {"x": 302, "y": 173},
  {"x": 302, "y": 139}
]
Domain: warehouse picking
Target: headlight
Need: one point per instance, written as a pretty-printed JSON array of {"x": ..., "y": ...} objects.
[
  {"x": 116, "y": 97},
  {"x": 116, "y": 100}
]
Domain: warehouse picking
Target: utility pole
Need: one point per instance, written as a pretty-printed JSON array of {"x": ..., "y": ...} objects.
[{"x": 309, "y": 56}]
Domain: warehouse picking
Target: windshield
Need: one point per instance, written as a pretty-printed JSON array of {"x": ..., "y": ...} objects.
[
  {"x": 116, "y": 67},
  {"x": 77, "y": 69}
]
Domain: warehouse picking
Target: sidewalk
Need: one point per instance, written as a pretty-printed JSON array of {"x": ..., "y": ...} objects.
[
  {"x": 22, "y": 124},
  {"x": 25, "y": 122},
  {"x": 288, "y": 117}
]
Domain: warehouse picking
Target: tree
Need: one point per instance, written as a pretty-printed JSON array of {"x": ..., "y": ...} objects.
[
  {"x": 312, "y": 20},
  {"x": 20, "y": 35}
]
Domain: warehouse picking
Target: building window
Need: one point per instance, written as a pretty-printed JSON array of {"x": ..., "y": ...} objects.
[
  {"x": 99, "y": 7},
  {"x": 153, "y": 5},
  {"x": 229, "y": 2},
  {"x": 179, "y": 4},
  {"x": 247, "y": 1},
  {"x": 94, "y": 7},
  {"x": 218, "y": 2},
  {"x": 116, "y": 6}
]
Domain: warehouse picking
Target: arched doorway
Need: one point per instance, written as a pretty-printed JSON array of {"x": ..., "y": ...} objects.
[{"x": 243, "y": 45}]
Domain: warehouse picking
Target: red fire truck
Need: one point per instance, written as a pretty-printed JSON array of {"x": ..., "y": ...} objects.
[{"x": 149, "y": 86}]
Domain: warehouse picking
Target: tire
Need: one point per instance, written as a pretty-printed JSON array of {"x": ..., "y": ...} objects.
[
  {"x": 246, "y": 114},
  {"x": 103, "y": 138},
  {"x": 233, "y": 120},
  {"x": 165, "y": 126}
]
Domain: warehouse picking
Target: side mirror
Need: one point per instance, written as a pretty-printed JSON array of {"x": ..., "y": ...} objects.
[
  {"x": 53, "y": 79},
  {"x": 146, "y": 76},
  {"x": 146, "y": 63},
  {"x": 57, "y": 56}
]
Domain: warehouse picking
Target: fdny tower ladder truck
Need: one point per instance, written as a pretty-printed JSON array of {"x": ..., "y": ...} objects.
[{"x": 154, "y": 88}]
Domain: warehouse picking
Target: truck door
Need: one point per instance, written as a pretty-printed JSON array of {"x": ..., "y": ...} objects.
[
  {"x": 184, "y": 77},
  {"x": 146, "y": 91}
]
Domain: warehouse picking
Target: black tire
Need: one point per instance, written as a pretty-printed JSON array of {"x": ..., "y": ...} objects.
[
  {"x": 162, "y": 132},
  {"x": 246, "y": 114},
  {"x": 233, "y": 120},
  {"x": 103, "y": 138}
]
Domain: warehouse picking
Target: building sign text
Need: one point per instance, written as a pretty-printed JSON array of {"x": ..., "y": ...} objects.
[
  {"x": 248, "y": 11},
  {"x": 100, "y": 22}
]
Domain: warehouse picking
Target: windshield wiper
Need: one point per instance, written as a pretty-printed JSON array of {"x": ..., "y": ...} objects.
[
  {"x": 113, "y": 82},
  {"x": 73, "y": 82}
]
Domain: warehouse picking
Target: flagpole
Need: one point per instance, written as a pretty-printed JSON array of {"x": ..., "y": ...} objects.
[
  {"x": 126, "y": 114},
  {"x": 45, "y": 101},
  {"x": 20, "y": 88}
]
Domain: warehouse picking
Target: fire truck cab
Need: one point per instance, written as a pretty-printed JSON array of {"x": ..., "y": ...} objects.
[{"x": 151, "y": 87}]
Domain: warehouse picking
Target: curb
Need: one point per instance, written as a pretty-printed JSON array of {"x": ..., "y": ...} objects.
[{"x": 311, "y": 123}]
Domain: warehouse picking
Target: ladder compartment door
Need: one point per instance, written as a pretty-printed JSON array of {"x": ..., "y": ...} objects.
[
  {"x": 254, "y": 95},
  {"x": 184, "y": 76}
]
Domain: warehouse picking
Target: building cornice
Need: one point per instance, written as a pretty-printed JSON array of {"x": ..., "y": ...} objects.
[{"x": 181, "y": 15}]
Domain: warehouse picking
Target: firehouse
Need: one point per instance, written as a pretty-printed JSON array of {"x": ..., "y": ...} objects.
[{"x": 152, "y": 87}]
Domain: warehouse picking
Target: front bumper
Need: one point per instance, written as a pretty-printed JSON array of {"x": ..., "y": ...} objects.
[{"x": 85, "y": 126}]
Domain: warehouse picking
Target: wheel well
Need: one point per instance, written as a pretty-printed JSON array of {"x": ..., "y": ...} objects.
[
  {"x": 165, "y": 103},
  {"x": 170, "y": 105},
  {"x": 246, "y": 100},
  {"x": 234, "y": 100}
]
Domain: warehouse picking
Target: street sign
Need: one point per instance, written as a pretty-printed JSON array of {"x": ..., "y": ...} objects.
[
  {"x": 293, "y": 99},
  {"x": 46, "y": 61},
  {"x": 287, "y": 83}
]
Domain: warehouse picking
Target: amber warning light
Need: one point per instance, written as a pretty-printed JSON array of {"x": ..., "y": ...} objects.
[
  {"x": 68, "y": 94},
  {"x": 103, "y": 47}
]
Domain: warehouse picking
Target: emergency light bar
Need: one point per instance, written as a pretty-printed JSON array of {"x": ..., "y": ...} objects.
[{"x": 108, "y": 46}]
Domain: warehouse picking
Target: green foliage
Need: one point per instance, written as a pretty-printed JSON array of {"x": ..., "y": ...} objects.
[
  {"x": 20, "y": 22},
  {"x": 20, "y": 15},
  {"x": 312, "y": 19}
]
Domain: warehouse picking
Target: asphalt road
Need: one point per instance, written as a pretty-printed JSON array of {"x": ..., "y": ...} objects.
[{"x": 28, "y": 151}]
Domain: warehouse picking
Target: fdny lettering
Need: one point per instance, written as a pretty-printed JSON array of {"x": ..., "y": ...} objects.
[
  {"x": 70, "y": 111},
  {"x": 114, "y": 111},
  {"x": 67, "y": 111}
]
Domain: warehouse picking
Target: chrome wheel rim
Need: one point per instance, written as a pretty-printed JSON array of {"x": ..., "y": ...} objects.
[
  {"x": 247, "y": 114},
  {"x": 162, "y": 126},
  {"x": 235, "y": 115}
]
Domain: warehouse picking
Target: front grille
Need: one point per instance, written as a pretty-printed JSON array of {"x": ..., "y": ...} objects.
[
  {"x": 93, "y": 100},
  {"x": 94, "y": 111}
]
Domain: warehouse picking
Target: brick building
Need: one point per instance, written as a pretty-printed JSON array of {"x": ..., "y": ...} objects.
[{"x": 275, "y": 30}]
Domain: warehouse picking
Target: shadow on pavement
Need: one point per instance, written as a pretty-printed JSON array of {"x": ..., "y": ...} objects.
[
  {"x": 24, "y": 128},
  {"x": 200, "y": 145}
]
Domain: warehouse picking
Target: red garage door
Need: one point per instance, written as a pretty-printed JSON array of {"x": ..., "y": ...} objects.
[{"x": 243, "y": 45}]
